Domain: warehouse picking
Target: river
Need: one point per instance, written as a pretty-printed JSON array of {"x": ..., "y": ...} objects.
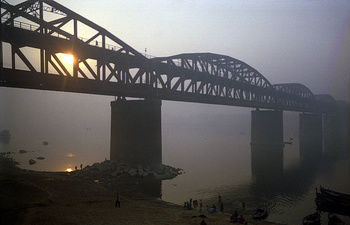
[
  {"x": 217, "y": 162},
  {"x": 210, "y": 143}
]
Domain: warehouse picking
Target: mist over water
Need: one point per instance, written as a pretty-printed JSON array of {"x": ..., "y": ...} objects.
[
  {"x": 222, "y": 166},
  {"x": 210, "y": 143}
]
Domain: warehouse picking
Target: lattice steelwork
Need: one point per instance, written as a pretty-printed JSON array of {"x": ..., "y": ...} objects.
[
  {"x": 36, "y": 33},
  {"x": 210, "y": 77},
  {"x": 295, "y": 95}
]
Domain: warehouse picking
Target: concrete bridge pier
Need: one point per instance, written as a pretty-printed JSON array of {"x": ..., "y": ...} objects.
[
  {"x": 136, "y": 132},
  {"x": 310, "y": 135},
  {"x": 267, "y": 144},
  {"x": 332, "y": 134}
]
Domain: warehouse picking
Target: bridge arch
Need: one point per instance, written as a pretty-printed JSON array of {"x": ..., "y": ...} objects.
[
  {"x": 296, "y": 94},
  {"x": 218, "y": 65},
  {"x": 326, "y": 103},
  {"x": 106, "y": 65}
]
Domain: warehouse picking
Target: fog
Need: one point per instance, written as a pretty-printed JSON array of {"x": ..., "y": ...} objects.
[{"x": 305, "y": 42}]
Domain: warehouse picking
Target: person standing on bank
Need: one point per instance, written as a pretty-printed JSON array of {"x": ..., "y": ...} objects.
[{"x": 117, "y": 202}]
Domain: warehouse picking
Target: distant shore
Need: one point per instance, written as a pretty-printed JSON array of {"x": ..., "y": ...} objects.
[{"x": 31, "y": 197}]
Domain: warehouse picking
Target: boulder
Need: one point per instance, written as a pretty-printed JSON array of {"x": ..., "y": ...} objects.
[{"x": 132, "y": 172}]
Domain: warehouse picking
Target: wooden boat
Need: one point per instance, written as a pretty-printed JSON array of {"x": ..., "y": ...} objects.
[
  {"x": 312, "y": 219},
  {"x": 334, "y": 220},
  {"x": 260, "y": 214},
  {"x": 335, "y": 195},
  {"x": 332, "y": 201}
]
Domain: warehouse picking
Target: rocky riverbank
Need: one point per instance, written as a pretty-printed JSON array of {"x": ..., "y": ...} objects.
[
  {"x": 83, "y": 197},
  {"x": 120, "y": 169}
]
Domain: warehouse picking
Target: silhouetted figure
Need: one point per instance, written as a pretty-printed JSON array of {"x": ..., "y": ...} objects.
[
  {"x": 200, "y": 205},
  {"x": 195, "y": 204},
  {"x": 76, "y": 168},
  {"x": 213, "y": 208},
  {"x": 221, "y": 207},
  {"x": 219, "y": 199},
  {"x": 234, "y": 217},
  {"x": 81, "y": 166},
  {"x": 117, "y": 202},
  {"x": 241, "y": 220}
]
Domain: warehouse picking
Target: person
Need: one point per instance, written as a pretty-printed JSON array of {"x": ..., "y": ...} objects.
[
  {"x": 221, "y": 207},
  {"x": 117, "y": 202},
  {"x": 241, "y": 219},
  {"x": 81, "y": 166},
  {"x": 233, "y": 218},
  {"x": 219, "y": 199},
  {"x": 213, "y": 208},
  {"x": 76, "y": 168},
  {"x": 200, "y": 205},
  {"x": 195, "y": 204}
]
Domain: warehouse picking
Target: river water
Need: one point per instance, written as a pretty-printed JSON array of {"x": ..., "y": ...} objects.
[
  {"x": 217, "y": 161},
  {"x": 210, "y": 143}
]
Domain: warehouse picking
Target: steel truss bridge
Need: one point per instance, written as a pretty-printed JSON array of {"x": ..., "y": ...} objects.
[{"x": 35, "y": 34}]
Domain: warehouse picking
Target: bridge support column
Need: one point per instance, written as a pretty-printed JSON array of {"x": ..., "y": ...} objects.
[
  {"x": 310, "y": 135},
  {"x": 267, "y": 144},
  {"x": 136, "y": 132},
  {"x": 331, "y": 135}
]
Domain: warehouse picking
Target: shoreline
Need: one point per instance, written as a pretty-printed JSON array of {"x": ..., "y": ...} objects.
[{"x": 40, "y": 197}]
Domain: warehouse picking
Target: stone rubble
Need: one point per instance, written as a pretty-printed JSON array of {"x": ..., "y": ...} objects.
[{"x": 116, "y": 169}]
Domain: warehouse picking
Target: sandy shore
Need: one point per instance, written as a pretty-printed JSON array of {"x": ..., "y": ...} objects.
[{"x": 29, "y": 197}]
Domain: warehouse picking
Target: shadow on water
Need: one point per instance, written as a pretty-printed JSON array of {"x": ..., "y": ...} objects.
[
  {"x": 287, "y": 195},
  {"x": 288, "y": 192}
]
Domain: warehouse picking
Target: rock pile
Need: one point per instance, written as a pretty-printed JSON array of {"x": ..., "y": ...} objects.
[{"x": 117, "y": 169}]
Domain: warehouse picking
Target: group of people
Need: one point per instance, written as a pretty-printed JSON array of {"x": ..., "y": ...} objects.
[
  {"x": 81, "y": 167},
  {"x": 237, "y": 219},
  {"x": 193, "y": 204}
]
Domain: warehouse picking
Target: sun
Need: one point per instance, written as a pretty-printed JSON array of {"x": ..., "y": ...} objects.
[
  {"x": 66, "y": 58},
  {"x": 69, "y": 170}
]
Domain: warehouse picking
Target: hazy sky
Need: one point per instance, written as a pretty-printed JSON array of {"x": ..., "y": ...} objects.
[{"x": 288, "y": 41}]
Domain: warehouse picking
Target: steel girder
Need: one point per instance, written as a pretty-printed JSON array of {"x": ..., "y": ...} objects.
[
  {"x": 327, "y": 103},
  {"x": 211, "y": 76},
  {"x": 52, "y": 28},
  {"x": 104, "y": 64},
  {"x": 295, "y": 95}
]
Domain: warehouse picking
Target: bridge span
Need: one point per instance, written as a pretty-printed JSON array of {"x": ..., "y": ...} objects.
[{"x": 35, "y": 34}]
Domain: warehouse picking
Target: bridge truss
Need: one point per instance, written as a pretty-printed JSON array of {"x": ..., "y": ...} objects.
[{"x": 36, "y": 34}]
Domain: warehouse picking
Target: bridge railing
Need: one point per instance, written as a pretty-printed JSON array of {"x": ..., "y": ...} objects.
[{"x": 34, "y": 28}]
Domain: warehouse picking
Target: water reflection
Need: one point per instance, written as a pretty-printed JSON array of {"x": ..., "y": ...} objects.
[
  {"x": 269, "y": 177},
  {"x": 287, "y": 193},
  {"x": 267, "y": 166}
]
